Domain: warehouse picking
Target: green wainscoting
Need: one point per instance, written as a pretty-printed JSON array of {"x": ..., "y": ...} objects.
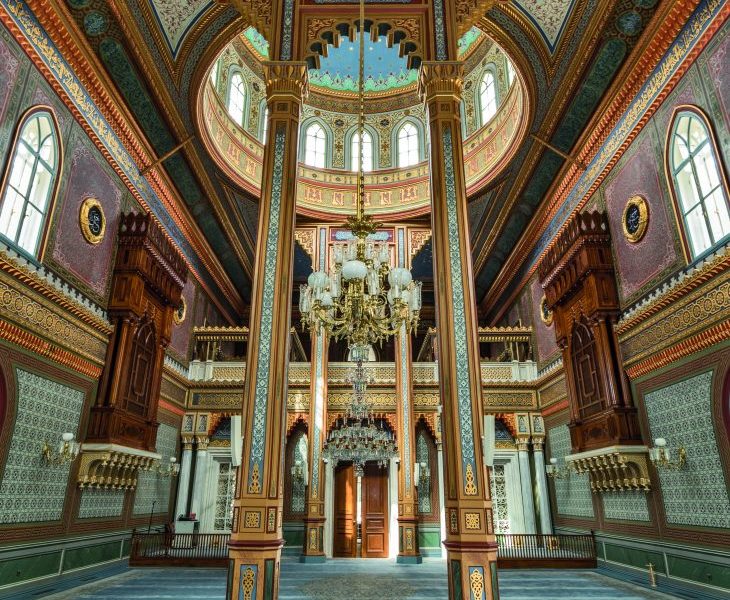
[
  {"x": 77, "y": 558},
  {"x": 17, "y": 570},
  {"x": 634, "y": 557},
  {"x": 293, "y": 538},
  {"x": 429, "y": 540},
  {"x": 699, "y": 571}
]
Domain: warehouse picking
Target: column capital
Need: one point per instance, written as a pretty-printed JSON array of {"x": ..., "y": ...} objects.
[
  {"x": 523, "y": 443},
  {"x": 538, "y": 443},
  {"x": 202, "y": 441},
  {"x": 286, "y": 78},
  {"x": 441, "y": 78},
  {"x": 187, "y": 442}
]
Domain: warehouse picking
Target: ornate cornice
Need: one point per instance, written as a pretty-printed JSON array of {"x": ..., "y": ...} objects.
[
  {"x": 286, "y": 78},
  {"x": 441, "y": 78}
]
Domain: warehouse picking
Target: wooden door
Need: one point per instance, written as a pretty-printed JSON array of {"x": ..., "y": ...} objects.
[
  {"x": 345, "y": 529},
  {"x": 375, "y": 512}
]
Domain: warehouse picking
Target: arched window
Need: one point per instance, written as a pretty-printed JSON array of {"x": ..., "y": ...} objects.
[
  {"x": 586, "y": 371},
  {"x": 510, "y": 73},
  {"x": 214, "y": 73},
  {"x": 408, "y": 145},
  {"x": 264, "y": 124},
  {"x": 296, "y": 472},
  {"x": 698, "y": 183},
  {"x": 29, "y": 186},
  {"x": 488, "y": 97},
  {"x": 315, "y": 146},
  {"x": 236, "y": 98},
  {"x": 367, "y": 152}
]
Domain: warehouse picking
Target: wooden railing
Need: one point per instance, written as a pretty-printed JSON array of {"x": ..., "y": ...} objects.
[
  {"x": 546, "y": 551},
  {"x": 179, "y": 549}
]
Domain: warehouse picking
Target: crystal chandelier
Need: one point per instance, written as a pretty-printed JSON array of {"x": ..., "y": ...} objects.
[
  {"x": 352, "y": 301},
  {"x": 356, "y": 437}
]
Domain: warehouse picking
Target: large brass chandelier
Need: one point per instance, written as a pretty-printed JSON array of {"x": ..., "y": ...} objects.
[
  {"x": 356, "y": 436},
  {"x": 361, "y": 299}
]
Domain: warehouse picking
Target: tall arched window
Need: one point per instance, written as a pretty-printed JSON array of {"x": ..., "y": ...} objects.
[
  {"x": 29, "y": 185},
  {"x": 236, "y": 98},
  {"x": 408, "y": 145},
  {"x": 367, "y": 152},
  {"x": 315, "y": 146},
  {"x": 265, "y": 124},
  {"x": 488, "y": 97},
  {"x": 698, "y": 182}
]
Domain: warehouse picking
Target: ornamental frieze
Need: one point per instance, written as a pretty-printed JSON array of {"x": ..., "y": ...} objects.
[{"x": 33, "y": 312}]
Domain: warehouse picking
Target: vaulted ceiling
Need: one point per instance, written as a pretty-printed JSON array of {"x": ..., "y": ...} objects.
[{"x": 152, "y": 55}]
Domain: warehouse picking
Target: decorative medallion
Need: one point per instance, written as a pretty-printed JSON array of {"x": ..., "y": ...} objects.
[
  {"x": 635, "y": 218},
  {"x": 92, "y": 220},
  {"x": 546, "y": 315},
  {"x": 179, "y": 315}
]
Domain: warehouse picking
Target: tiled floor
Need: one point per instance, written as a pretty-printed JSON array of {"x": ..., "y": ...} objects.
[{"x": 358, "y": 580}]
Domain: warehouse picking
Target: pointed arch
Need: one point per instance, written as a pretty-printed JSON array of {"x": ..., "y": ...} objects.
[{"x": 237, "y": 96}]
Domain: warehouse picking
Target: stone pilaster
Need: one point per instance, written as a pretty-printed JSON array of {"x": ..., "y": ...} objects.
[
  {"x": 528, "y": 504},
  {"x": 256, "y": 536},
  {"x": 183, "y": 485},
  {"x": 470, "y": 541},
  {"x": 313, "y": 545}
]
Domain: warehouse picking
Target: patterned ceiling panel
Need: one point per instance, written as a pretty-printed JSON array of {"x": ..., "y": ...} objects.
[
  {"x": 177, "y": 18},
  {"x": 548, "y": 16}
]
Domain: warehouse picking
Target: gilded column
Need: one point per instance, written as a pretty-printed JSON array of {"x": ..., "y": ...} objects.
[
  {"x": 256, "y": 536},
  {"x": 408, "y": 551},
  {"x": 470, "y": 541}
]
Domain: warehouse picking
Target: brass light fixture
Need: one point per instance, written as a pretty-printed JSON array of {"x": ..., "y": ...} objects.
[
  {"x": 555, "y": 472},
  {"x": 661, "y": 456},
  {"x": 66, "y": 451},
  {"x": 361, "y": 299},
  {"x": 171, "y": 470}
]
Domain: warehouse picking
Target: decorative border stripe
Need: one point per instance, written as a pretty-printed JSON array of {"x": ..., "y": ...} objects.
[
  {"x": 286, "y": 30},
  {"x": 459, "y": 324},
  {"x": 263, "y": 362},
  {"x": 440, "y": 29}
]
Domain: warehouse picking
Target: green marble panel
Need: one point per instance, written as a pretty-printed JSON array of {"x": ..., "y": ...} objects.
[
  {"x": 16, "y": 570},
  {"x": 429, "y": 539},
  {"x": 126, "y": 546},
  {"x": 635, "y": 557},
  {"x": 294, "y": 537},
  {"x": 77, "y": 558},
  {"x": 699, "y": 571}
]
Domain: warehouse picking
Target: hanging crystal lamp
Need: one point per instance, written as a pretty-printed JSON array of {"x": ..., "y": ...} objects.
[
  {"x": 361, "y": 299},
  {"x": 356, "y": 437}
]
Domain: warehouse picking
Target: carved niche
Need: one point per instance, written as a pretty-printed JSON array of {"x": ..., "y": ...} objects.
[
  {"x": 149, "y": 275},
  {"x": 579, "y": 280}
]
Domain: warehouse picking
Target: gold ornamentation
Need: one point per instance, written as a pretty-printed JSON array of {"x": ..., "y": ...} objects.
[
  {"x": 249, "y": 579},
  {"x": 504, "y": 398},
  {"x": 546, "y": 315},
  {"x": 613, "y": 469},
  {"x": 476, "y": 580},
  {"x": 313, "y": 538},
  {"x": 179, "y": 315},
  {"x": 255, "y": 486},
  {"x": 470, "y": 489},
  {"x": 473, "y": 521},
  {"x": 409, "y": 539},
  {"x": 635, "y": 219},
  {"x": 453, "y": 522},
  {"x": 252, "y": 519},
  {"x": 92, "y": 220},
  {"x": 271, "y": 520},
  {"x": 307, "y": 240},
  {"x": 109, "y": 466}
]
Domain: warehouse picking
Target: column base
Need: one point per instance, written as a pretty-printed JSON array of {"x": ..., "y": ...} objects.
[
  {"x": 312, "y": 558},
  {"x": 472, "y": 570},
  {"x": 253, "y": 571},
  {"x": 409, "y": 559}
]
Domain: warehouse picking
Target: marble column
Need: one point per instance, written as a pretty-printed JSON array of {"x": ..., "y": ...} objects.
[
  {"x": 183, "y": 480},
  {"x": 329, "y": 508},
  {"x": 408, "y": 551},
  {"x": 256, "y": 536},
  {"x": 201, "y": 470},
  {"x": 528, "y": 504},
  {"x": 546, "y": 526},
  {"x": 313, "y": 545},
  {"x": 470, "y": 541},
  {"x": 442, "y": 493}
]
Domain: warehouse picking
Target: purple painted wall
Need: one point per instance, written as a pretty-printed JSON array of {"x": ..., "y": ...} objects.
[
  {"x": 180, "y": 342},
  {"x": 91, "y": 264},
  {"x": 637, "y": 264},
  {"x": 547, "y": 347}
]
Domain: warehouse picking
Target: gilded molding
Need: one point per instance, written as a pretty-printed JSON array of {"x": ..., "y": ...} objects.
[
  {"x": 614, "y": 469},
  {"x": 441, "y": 78},
  {"x": 286, "y": 78},
  {"x": 109, "y": 466}
]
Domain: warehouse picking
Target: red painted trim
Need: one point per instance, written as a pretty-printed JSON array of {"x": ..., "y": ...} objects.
[
  {"x": 171, "y": 408},
  {"x": 555, "y": 408}
]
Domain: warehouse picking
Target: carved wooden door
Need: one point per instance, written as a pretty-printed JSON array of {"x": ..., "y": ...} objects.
[
  {"x": 375, "y": 512},
  {"x": 345, "y": 529}
]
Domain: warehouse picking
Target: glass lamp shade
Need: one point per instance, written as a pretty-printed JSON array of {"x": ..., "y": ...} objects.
[
  {"x": 399, "y": 277},
  {"x": 384, "y": 254},
  {"x": 326, "y": 299},
  {"x": 354, "y": 269},
  {"x": 318, "y": 280},
  {"x": 305, "y": 299}
]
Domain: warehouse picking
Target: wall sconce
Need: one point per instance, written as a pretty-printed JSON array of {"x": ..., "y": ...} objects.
[
  {"x": 555, "y": 472},
  {"x": 299, "y": 471},
  {"x": 171, "y": 470},
  {"x": 661, "y": 456},
  {"x": 420, "y": 470},
  {"x": 66, "y": 452}
]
